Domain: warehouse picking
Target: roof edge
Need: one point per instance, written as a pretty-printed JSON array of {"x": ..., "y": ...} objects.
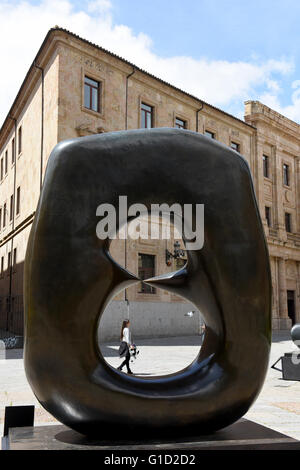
[
  {"x": 271, "y": 111},
  {"x": 59, "y": 29},
  {"x": 150, "y": 75},
  {"x": 32, "y": 66}
]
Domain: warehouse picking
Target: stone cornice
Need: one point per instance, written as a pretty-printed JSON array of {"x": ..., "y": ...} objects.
[
  {"x": 263, "y": 114},
  {"x": 282, "y": 249},
  {"x": 20, "y": 227}
]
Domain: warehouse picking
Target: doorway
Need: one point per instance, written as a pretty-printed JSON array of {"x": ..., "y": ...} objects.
[{"x": 291, "y": 306}]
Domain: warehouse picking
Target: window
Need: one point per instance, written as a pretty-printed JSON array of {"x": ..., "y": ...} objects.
[
  {"x": 266, "y": 166},
  {"x": 180, "y": 124},
  {"x": 286, "y": 175},
  {"x": 6, "y": 161},
  {"x": 146, "y": 270},
  {"x": 288, "y": 222},
  {"x": 235, "y": 146},
  {"x": 18, "y": 200},
  {"x": 15, "y": 257},
  {"x": 11, "y": 208},
  {"x": 4, "y": 215},
  {"x": 20, "y": 140},
  {"x": 92, "y": 94},
  {"x": 268, "y": 216},
  {"x": 1, "y": 169},
  {"x": 13, "y": 151},
  {"x": 2, "y": 266},
  {"x": 146, "y": 116},
  {"x": 212, "y": 135}
]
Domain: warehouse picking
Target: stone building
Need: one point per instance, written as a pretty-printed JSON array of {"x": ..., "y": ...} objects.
[
  {"x": 75, "y": 88},
  {"x": 277, "y": 184}
]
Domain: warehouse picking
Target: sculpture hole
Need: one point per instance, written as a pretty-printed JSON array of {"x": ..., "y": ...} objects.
[
  {"x": 168, "y": 332},
  {"x": 166, "y": 329}
]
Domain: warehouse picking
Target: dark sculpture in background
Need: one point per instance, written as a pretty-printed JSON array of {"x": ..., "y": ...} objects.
[
  {"x": 290, "y": 362},
  {"x": 70, "y": 277},
  {"x": 295, "y": 334}
]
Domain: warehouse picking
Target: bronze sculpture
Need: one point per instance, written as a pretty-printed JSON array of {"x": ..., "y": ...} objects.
[{"x": 70, "y": 278}]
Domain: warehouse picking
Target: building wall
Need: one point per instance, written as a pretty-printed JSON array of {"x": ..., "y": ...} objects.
[
  {"x": 66, "y": 60},
  {"x": 25, "y": 174},
  {"x": 74, "y": 120},
  {"x": 154, "y": 319},
  {"x": 279, "y": 139}
]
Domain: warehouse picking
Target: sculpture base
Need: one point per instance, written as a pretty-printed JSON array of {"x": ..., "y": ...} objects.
[
  {"x": 242, "y": 435},
  {"x": 290, "y": 371}
]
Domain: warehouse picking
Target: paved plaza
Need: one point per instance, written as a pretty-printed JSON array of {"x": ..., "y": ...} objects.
[{"x": 277, "y": 407}]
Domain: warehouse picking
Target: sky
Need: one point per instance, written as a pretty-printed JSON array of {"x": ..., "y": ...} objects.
[{"x": 222, "y": 51}]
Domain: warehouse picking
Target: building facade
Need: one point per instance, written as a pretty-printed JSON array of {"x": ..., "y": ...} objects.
[{"x": 75, "y": 88}]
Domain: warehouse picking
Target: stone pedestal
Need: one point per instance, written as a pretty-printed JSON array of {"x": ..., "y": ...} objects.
[{"x": 242, "y": 435}]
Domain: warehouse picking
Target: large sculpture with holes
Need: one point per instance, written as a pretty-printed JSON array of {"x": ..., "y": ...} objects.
[{"x": 70, "y": 278}]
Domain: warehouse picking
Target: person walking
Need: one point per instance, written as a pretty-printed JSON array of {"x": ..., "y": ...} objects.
[{"x": 125, "y": 345}]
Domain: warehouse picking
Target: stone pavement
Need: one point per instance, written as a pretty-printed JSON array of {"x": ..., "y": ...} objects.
[{"x": 277, "y": 407}]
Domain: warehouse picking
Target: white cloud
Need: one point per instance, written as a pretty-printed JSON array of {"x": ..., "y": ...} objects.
[
  {"x": 292, "y": 110},
  {"x": 23, "y": 27},
  {"x": 99, "y": 6}
]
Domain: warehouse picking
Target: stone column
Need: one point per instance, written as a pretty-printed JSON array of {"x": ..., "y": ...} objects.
[
  {"x": 297, "y": 186},
  {"x": 275, "y": 308},
  {"x": 285, "y": 322},
  {"x": 259, "y": 177},
  {"x": 297, "y": 299},
  {"x": 278, "y": 193}
]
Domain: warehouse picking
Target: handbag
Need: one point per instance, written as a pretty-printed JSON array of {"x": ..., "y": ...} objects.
[{"x": 123, "y": 349}]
